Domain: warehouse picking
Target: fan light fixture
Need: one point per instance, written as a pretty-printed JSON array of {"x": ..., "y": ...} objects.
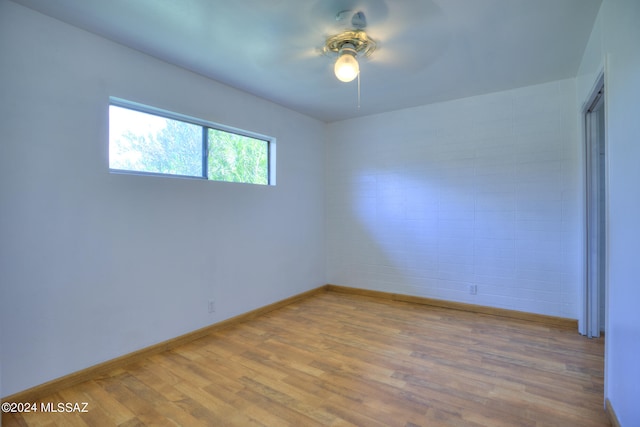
[
  {"x": 348, "y": 45},
  {"x": 346, "y": 67}
]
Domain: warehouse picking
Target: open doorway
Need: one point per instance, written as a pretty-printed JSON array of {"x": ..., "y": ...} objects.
[{"x": 596, "y": 241}]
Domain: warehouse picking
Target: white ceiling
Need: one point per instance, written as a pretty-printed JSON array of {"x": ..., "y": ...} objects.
[{"x": 428, "y": 50}]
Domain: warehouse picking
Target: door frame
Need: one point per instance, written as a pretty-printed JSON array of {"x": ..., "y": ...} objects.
[{"x": 595, "y": 252}]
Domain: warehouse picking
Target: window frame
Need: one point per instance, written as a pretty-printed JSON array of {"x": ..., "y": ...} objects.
[{"x": 205, "y": 125}]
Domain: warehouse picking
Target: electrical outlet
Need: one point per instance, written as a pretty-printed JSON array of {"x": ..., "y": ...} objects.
[
  {"x": 473, "y": 289},
  {"x": 212, "y": 306}
]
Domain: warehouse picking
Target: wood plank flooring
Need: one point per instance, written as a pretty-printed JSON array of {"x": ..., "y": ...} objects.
[{"x": 346, "y": 360}]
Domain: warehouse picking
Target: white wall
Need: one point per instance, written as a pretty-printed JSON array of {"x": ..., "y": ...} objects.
[
  {"x": 478, "y": 191},
  {"x": 614, "y": 46},
  {"x": 95, "y": 265}
]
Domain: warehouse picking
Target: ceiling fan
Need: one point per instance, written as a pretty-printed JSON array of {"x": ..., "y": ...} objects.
[
  {"x": 349, "y": 44},
  {"x": 407, "y": 34}
]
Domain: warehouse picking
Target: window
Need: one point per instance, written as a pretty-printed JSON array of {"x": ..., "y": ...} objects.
[{"x": 146, "y": 140}]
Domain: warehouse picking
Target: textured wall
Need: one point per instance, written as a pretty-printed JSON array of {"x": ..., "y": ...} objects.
[{"x": 479, "y": 191}]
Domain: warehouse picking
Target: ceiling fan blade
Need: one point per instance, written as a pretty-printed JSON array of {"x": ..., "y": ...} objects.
[{"x": 412, "y": 37}]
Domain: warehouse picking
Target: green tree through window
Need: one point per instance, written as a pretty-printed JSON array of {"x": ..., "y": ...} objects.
[
  {"x": 237, "y": 158},
  {"x": 150, "y": 143}
]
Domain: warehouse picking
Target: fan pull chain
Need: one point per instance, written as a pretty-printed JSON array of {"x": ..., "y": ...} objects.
[{"x": 358, "y": 91}]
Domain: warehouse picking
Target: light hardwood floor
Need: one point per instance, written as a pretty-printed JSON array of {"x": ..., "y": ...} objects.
[{"x": 342, "y": 360}]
